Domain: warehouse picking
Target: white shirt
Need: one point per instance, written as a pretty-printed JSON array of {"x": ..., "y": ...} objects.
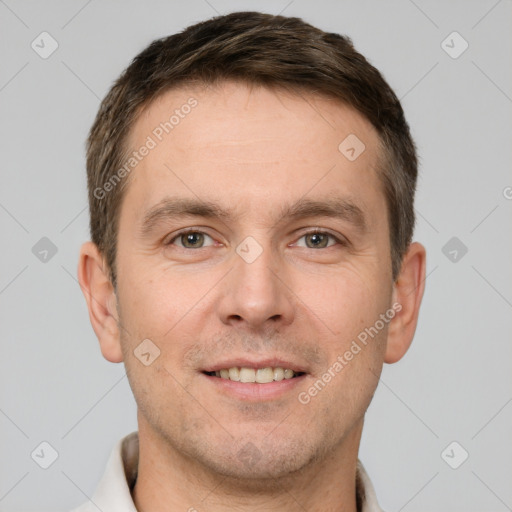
[{"x": 113, "y": 493}]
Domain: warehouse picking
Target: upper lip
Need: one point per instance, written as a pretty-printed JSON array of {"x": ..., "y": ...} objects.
[{"x": 273, "y": 362}]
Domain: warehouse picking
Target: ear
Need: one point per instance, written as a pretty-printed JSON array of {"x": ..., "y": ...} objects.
[
  {"x": 407, "y": 292},
  {"x": 101, "y": 301}
]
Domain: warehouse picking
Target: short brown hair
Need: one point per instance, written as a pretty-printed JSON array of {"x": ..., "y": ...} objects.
[{"x": 256, "y": 48}]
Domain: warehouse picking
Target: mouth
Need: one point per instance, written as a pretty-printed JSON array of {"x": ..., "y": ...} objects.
[
  {"x": 254, "y": 381},
  {"x": 246, "y": 374}
]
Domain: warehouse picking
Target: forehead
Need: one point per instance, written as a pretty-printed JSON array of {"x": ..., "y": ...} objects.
[{"x": 241, "y": 144}]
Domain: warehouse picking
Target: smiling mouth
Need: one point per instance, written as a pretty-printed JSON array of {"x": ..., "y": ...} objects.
[{"x": 255, "y": 375}]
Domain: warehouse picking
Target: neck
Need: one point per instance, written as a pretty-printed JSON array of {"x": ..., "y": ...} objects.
[{"x": 169, "y": 480}]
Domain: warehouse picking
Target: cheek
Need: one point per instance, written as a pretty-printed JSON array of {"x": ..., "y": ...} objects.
[
  {"x": 157, "y": 299},
  {"x": 344, "y": 301},
  {"x": 167, "y": 307},
  {"x": 348, "y": 306}
]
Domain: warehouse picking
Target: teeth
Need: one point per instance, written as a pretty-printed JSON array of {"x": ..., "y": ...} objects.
[
  {"x": 259, "y": 375},
  {"x": 288, "y": 374},
  {"x": 247, "y": 375},
  {"x": 278, "y": 374},
  {"x": 233, "y": 374},
  {"x": 264, "y": 375}
]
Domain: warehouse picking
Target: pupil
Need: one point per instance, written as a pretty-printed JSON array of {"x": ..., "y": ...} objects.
[
  {"x": 317, "y": 239},
  {"x": 193, "y": 238}
]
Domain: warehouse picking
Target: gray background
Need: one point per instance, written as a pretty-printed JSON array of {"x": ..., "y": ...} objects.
[{"x": 455, "y": 382}]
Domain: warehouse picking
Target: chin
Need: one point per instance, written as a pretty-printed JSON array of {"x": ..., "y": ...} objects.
[{"x": 258, "y": 465}]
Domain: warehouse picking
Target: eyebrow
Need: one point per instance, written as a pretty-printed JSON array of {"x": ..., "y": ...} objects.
[{"x": 175, "y": 208}]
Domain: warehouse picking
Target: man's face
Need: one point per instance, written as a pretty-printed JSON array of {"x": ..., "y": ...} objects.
[{"x": 256, "y": 287}]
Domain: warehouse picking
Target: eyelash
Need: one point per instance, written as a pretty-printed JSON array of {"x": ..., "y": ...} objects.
[{"x": 311, "y": 232}]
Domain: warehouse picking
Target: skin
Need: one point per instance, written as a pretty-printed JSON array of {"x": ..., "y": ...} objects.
[{"x": 254, "y": 150}]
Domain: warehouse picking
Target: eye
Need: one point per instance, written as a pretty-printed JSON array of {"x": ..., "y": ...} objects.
[
  {"x": 319, "y": 240},
  {"x": 190, "y": 239}
]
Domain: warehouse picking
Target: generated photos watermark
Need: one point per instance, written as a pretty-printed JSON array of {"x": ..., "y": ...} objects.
[
  {"x": 355, "y": 348},
  {"x": 157, "y": 135}
]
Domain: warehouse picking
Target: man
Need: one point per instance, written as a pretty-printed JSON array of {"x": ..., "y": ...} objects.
[{"x": 251, "y": 186}]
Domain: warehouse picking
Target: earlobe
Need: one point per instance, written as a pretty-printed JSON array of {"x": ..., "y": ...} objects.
[
  {"x": 101, "y": 301},
  {"x": 407, "y": 293}
]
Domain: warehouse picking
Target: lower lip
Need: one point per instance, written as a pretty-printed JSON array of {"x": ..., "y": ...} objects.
[{"x": 252, "y": 390}]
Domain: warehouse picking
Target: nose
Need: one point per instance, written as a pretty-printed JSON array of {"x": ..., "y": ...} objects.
[{"x": 255, "y": 294}]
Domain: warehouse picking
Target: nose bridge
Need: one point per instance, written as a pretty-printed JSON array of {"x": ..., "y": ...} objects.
[{"x": 255, "y": 293}]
